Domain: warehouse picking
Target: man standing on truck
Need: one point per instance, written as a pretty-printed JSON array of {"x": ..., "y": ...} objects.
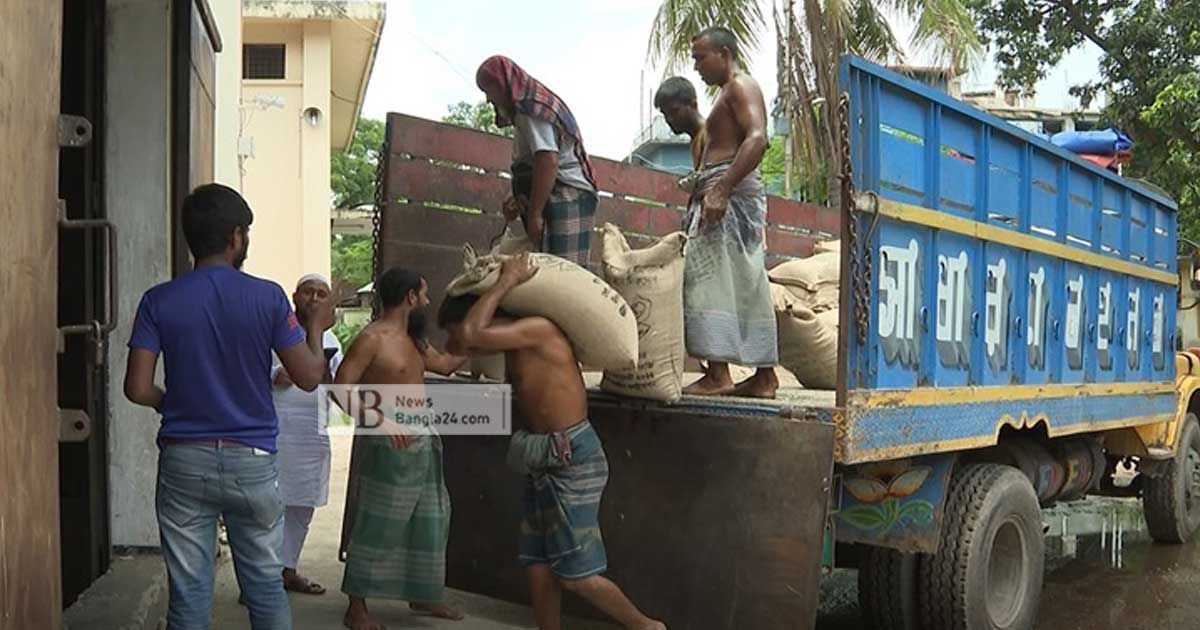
[
  {"x": 560, "y": 454},
  {"x": 401, "y": 525},
  {"x": 676, "y": 99},
  {"x": 554, "y": 190},
  {"x": 215, "y": 328},
  {"x": 728, "y": 316}
]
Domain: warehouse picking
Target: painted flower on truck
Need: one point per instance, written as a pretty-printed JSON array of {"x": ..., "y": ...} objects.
[{"x": 881, "y": 490}]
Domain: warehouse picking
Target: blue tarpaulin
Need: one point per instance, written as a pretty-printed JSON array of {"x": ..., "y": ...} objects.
[{"x": 1099, "y": 142}]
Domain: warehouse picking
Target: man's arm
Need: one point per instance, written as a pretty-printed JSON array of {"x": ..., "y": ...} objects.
[
  {"x": 746, "y": 101},
  {"x": 443, "y": 363},
  {"x": 527, "y": 332},
  {"x": 513, "y": 272},
  {"x": 545, "y": 171},
  {"x": 305, "y": 362},
  {"x": 139, "y": 379}
]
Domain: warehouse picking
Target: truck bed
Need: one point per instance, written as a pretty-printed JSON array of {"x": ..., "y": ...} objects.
[{"x": 792, "y": 399}]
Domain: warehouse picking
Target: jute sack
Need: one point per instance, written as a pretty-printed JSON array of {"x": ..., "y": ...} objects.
[
  {"x": 808, "y": 345},
  {"x": 828, "y": 246},
  {"x": 781, "y": 298},
  {"x": 813, "y": 280},
  {"x": 594, "y": 317},
  {"x": 513, "y": 241},
  {"x": 651, "y": 281}
]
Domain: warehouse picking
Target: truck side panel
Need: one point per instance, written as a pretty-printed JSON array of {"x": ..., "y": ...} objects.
[{"x": 1012, "y": 282}]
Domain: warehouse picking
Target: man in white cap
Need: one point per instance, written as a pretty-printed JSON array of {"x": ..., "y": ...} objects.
[{"x": 303, "y": 445}]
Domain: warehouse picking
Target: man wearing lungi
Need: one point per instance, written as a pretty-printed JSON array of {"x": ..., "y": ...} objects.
[
  {"x": 397, "y": 545},
  {"x": 304, "y": 453},
  {"x": 554, "y": 190},
  {"x": 560, "y": 454},
  {"x": 728, "y": 316},
  {"x": 676, "y": 99}
]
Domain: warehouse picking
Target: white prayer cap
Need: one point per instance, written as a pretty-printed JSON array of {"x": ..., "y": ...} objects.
[{"x": 313, "y": 276}]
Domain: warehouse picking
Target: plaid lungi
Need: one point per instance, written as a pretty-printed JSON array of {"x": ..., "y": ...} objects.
[
  {"x": 397, "y": 548},
  {"x": 570, "y": 215},
  {"x": 561, "y": 523}
]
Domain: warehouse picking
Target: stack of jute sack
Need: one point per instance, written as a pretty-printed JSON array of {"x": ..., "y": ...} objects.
[
  {"x": 805, "y": 296},
  {"x": 595, "y": 318},
  {"x": 651, "y": 281}
]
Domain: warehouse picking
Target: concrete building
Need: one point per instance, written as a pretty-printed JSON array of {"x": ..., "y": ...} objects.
[
  {"x": 658, "y": 148},
  {"x": 304, "y": 72},
  {"x": 1020, "y": 109}
]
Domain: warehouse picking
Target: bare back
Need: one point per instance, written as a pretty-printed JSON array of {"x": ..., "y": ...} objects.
[
  {"x": 547, "y": 384},
  {"x": 723, "y": 129}
]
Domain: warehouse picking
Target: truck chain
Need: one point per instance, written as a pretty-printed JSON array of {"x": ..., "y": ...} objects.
[
  {"x": 376, "y": 218},
  {"x": 860, "y": 263}
]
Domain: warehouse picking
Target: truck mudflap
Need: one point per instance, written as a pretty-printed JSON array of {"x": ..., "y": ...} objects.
[
  {"x": 712, "y": 518},
  {"x": 895, "y": 503}
]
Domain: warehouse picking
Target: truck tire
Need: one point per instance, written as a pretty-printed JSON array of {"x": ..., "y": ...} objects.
[
  {"x": 887, "y": 589},
  {"x": 1171, "y": 499},
  {"x": 987, "y": 573}
]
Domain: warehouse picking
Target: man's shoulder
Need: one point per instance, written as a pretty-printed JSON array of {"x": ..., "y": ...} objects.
[{"x": 743, "y": 83}]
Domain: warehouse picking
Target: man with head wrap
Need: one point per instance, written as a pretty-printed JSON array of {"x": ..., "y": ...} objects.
[
  {"x": 304, "y": 453},
  {"x": 554, "y": 189}
]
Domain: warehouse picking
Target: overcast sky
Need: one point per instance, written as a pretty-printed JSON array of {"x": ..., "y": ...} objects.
[{"x": 592, "y": 54}]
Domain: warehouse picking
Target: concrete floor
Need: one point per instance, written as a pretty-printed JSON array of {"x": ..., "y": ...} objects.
[{"x": 319, "y": 562}]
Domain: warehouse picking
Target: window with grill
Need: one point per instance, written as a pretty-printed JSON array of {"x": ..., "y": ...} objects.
[{"x": 263, "y": 61}]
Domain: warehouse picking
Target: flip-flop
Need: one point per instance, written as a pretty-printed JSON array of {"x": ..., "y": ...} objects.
[{"x": 309, "y": 587}]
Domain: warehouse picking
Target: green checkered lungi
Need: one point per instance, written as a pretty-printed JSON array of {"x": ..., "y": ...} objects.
[
  {"x": 397, "y": 548},
  {"x": 570, "y": 215}
]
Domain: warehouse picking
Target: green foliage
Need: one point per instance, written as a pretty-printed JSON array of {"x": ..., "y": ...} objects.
[
  {"x": 678, "y": 21},
  {"x": 479, "y": 116},
  {"x": 351, "y": 260},
  {"x": 774, "y": 169},
  {"x": 347, "y": 331},
  {"x": 1150, "y": 73},
  {"x": 352, "y": 173}
]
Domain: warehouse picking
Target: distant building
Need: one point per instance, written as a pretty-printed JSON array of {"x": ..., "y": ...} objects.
[
  {"x": 936, "y": 77},
  {"x": 304, "y": 69},
  {"x": 1018, "y": 108},
  {"x": 656, "y": 147}
]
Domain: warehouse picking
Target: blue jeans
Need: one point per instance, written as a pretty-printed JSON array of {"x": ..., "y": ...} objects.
[{"x": 196, "y": 484}]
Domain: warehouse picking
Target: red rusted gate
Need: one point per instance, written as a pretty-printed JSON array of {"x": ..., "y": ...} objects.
[{"x": 445, "y": 186}]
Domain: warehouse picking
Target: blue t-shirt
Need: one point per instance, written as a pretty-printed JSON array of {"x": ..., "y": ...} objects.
[{"x": 215, "y": 328}]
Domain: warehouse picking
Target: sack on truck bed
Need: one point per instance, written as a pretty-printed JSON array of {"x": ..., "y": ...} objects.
[
  {"x": 651, "y": 281},
  {"x": 593, "y": 316},
  {"x": 808, "y": 345},
  {"x": 513, "y": 241},
  {"x": 813, "y": 280}
]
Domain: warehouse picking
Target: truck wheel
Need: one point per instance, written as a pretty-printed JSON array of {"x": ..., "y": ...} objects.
[
  {"x": 1171, "y": 500},
  {"x": 887, "y": 589},
  {"x": 987, "y": 573}
]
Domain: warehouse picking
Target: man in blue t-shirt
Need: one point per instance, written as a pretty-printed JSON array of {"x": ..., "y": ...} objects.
[{"x": 215, "y": 328}]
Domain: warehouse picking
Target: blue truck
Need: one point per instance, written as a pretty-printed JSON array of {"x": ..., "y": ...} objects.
[{"x": 1008, "y": 337}]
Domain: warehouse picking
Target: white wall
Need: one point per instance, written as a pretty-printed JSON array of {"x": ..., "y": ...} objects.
[
  {"x": 137, "y": 199},
  {"x": 228, "y": 15}
]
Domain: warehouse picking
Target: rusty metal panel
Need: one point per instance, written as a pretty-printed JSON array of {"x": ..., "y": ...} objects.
[
  {"x": 30, "y": 38},
  {"x": 792, "y": 244},
  {"x": 712, "y": 521},
  {"x": 428, "y": 139},
  {"x": 421, "y": 180},
  {"x": 636, "y": 181}
]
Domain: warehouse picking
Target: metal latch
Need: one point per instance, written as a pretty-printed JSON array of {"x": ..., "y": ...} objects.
[
  {"x": 74, "y": 131},
  {"x": 74, "y": 425},
  {"x": 97, "y": 329}
]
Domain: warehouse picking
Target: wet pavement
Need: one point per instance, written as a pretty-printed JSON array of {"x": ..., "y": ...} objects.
[{"x": 1102, "y": 572}]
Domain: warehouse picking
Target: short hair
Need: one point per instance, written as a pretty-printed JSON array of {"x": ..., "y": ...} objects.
[
  {"x": 720, "y": 37},
  {"x": 395, "y": 284},
  {"x": 210, "y": 215},
  {"x": 675, "y": 90},
  {"x": 454, "y": 309}
]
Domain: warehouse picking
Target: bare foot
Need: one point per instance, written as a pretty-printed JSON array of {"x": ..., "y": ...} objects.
[
  {"x": 297, "y": 583},
  {"x": 357, "y": 617},
  {"x": 763, "y": 384},
  {"x": 709, "y": 386},
  {"x": 441, "y": 611}
]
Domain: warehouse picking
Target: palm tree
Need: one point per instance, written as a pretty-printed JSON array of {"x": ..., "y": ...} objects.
[{"x": 809, "y": 48}]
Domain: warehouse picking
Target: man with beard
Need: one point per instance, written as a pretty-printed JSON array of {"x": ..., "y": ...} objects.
[
  {"x": 215, "y": 328},
  {"x": 397, "y": 547},
  {"x": 727, "y": 310}
]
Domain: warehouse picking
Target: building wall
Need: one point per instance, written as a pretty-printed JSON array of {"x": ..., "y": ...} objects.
[
  {"x": 137, "y": 199},
  {"x": 30, "y": 588},
  {"x": 228, "y": 16},
  {"x": 286, "y": 182}
]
